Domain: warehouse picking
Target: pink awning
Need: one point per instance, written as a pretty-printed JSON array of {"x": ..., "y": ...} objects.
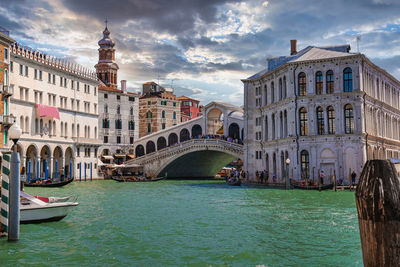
[{"x": 46, "y": 111}]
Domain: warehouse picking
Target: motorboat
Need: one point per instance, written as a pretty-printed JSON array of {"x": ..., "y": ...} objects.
[{"x": 40, "y": 209}]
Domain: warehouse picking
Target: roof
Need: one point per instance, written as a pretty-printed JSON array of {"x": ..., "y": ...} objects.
[
  {"x": 186, "y": 98},
  {"x": 109, "y": 89},
  {"x": 306, "y": 54}
]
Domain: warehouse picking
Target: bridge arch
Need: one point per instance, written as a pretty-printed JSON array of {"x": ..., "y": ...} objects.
[
  {"x": 196, "y": 131},
  {"x": 161, "y": 143},
  {"x": 139, "y": 151},
  {"x": 150, "y": 147},
  {"x": 172, "y": 139},
  {"x": 184, "y": 135},
  {"x": 234, "y": 131}
]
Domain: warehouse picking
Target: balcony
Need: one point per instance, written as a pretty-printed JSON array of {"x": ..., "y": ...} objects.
[
  {"x": 7, "y": 91},
  {"x": 106, "y": 131},
  {"x": 7, "y": 120},
  {"x": 118, "y": 132}
]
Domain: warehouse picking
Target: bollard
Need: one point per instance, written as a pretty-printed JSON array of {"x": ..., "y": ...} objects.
[
  {"x": 29, "y": 171},
  {"x": 85, "y": 171},
  {"x": 80, "y": 171},
  {"x": 378, "y": 207},
  {"x": 70, "y": 170},
  {"x": 14, "y": 213},
  {"x": 91, "y": 171},
  {"x": 37, "y": 170},
  {"x": 5, "y": 193}
]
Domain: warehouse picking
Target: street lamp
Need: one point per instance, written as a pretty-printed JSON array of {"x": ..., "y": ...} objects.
[
  {"x": 14, "y": 133},
  {"x": 287, "y": 174}
]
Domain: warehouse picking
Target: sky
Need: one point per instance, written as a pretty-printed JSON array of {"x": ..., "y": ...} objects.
[{"x": 202, "y": 48}]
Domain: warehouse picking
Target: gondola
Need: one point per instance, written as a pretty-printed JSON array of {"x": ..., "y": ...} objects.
[
  {"x": 236, "y": 182},
  {"x": 312, "y": 187},
  {"x": 129, "y": 179},
  {"x": 52, "y": 184}
]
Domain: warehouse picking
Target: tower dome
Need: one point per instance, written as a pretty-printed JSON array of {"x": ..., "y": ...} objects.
[{"x": 106, "y": 42}]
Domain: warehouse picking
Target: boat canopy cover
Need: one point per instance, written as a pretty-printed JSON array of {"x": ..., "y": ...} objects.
[{"x": 107, "y": 157}]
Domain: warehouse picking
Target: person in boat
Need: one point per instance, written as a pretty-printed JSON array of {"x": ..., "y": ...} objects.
[{"x": 321, "y": 177}]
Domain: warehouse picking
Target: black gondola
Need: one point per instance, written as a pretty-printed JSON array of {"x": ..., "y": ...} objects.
[
  {"x": 45, "y": 184},
  {"x": 312, "y": 187},
  {"x": 130, "y": 179}
]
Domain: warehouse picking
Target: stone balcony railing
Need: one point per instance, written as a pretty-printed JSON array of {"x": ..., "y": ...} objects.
[{"x": 87, "y": 141}]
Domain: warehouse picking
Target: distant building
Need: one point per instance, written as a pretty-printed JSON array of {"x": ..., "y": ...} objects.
[
  {"x": 323, "y": 108},
  {"x": 5, "y": 120},
  {"x": 159, "y": 109},
  {"x": 190, "y": 108},
  {"x": 118, "y": 108}
]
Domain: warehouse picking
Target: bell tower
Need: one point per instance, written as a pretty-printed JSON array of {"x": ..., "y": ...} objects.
[{"x": 106, "y": 68}]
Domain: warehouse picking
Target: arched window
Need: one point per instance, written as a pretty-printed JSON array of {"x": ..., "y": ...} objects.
[
  {"x": 330, "y": 82},
  {"x": 348, "y": 80},
  {"x": 302, "y": 84},
  {"x": 163, "y": 114},
  {"x": 305, "y": 164},
  {"x": 284, "y": 87},
  {"x": 131, "y": 111},
  {"x": 319, "y": 80},
  {"x": 272, "y": 92},
  {"x": 149, "y": 115},
  {"x": 174, "y": 115},
  {"x": 303, "y": 121},
  {"x": 105, "y": 109},
  {"x": 148, "y": 128},
  {"x": 331, "y": 120},
  {"x": 320, "y": 121},
  {"x": 348, "y": 119},
  {"x": 118, "y": 109},
  {"x": 280, "y": 89}
]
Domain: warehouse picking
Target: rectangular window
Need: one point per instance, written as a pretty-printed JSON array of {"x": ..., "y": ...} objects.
[
  {"x": 61, "y": 81},
  {"x": 12, "y": 66},
  {"x": 105, "y": 141},
  {"x": 95, "y": 91},
  {"x": 163, "y": 126},
  {"x": 40, "y": 75},
  {"x": 26, "y": 71},
  {"x": 5, "y": 53},
  {"x": 174, "y": 104},
  {"x": 72, "y": 84},
  {"x": 49, "y": 78},
  {"x": 35, "y": 74},
  {"x": 105, "y": 95},
  {"x": 77, "y": 86},
  {"x": 21, "y": 69},
  {"x": 78, "y": 151},
  {"x": 118, "y": 97},
  {"x": 65, "y": 82},
  {"x": 132, "y": 99},
  {"x": 118, "y": 139},
  {"x": 54, "y": 79},
  {"x": 130, "y": 140}
]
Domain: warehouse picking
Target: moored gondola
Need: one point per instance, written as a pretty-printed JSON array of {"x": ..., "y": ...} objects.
[
  {"x": 312, "y": 187},
  {"x": 136, "y": 179},
  {"x": 48, "y": 183}
]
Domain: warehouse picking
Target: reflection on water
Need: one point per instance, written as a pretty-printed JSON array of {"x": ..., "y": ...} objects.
[{"x": 200, "y": 223}]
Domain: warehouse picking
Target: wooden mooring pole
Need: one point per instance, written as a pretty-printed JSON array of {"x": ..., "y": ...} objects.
[{"x": 378, "y": 207}]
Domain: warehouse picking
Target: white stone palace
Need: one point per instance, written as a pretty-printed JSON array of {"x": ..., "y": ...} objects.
[
  {"x": 55, "y": 104},
  {"x": 324, "y": 108}
]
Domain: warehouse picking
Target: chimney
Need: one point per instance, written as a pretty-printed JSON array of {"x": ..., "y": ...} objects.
[
  {"x": 123, "y": 86},
  {"x": 293, "y": 47}
]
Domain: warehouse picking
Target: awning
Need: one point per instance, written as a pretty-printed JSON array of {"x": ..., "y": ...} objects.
[
  {"x": 47, "y": 111},
  {"x": 108, "y": 157},
  {"x": 131, "y": 156}
]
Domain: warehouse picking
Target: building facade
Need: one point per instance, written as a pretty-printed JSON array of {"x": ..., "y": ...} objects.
[
  {"x": 323, "y": 108},
  {"x": 190, "y": 108},
  {"x": 118, "y": 108},
  {"x": 158, "y": 110},
  {"x": 5, "y": 120},
  {"x": 56, "y": 105}
]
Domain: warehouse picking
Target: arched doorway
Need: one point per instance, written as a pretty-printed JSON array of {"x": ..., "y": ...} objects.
[
  {"x": 234, "y": 131},
  {"x": 196, "y": 131},
  {"x": 45, "y": 162},
  {"x": 184, "y": 135},
  {"x": 139, "y": 151},
  {"x": 215, "y": 123},
  {"x": 161, "y": 143},
  {"x": 69, "y": 163},
  {"x": 31, "y": 162},
  {"x": 150, "y": 147},
  {"x": 172, "y": 139},
  {"x": 58, "y": 162}
]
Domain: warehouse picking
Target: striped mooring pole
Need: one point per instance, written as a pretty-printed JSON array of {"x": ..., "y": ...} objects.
[{"x": 5, "y": 182}]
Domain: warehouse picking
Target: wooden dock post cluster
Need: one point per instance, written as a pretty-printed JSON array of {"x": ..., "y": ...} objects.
[{"x": 378, "y": 206}]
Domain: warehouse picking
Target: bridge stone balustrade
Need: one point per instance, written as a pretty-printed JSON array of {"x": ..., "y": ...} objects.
[{"x": 195, "y": 158}]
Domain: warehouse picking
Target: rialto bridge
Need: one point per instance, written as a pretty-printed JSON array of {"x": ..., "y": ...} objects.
[{"x": 196, "y": 148}]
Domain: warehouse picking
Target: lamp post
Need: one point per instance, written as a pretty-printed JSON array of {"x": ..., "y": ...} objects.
[
  {"x": 287, "y": 174},
  {"x": 14, "y": 132}
]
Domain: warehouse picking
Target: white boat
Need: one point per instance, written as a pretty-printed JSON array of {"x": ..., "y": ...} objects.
[{"x": 34, "y": 210}]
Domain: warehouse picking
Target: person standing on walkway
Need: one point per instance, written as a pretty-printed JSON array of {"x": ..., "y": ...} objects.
[
  {"x": 261, "y": 177},
  {"x": 353, "y": 179},
  {"x": 321, "y": 177},
  {"x": 257, "y": 177}
]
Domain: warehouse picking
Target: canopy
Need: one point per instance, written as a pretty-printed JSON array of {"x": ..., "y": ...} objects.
[
  {"x": 107, "y": 157},
  {"x": 47, "y": 111},
  {"x": 119, "y": 155}
]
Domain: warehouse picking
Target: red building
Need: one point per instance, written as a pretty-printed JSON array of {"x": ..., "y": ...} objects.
[{"x": 190, "y": 108}]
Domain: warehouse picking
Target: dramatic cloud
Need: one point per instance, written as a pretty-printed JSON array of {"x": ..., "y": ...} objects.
[{"x": 202, "y": 48}]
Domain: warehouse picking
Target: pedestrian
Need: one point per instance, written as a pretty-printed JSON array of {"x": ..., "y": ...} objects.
[
  {"x": 256, "y": 176},
  {"x": 321, "y": 177},
  {"x": 261, "y": 177},
  {"x": 353, "y": 178},
  {"x": 266, "y": 176}
]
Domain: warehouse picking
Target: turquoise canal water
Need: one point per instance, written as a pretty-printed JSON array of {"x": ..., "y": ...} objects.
[{"x": 191, "y": 223}]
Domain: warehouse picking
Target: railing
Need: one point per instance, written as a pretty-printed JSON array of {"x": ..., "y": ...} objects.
[
  {"x": 118, "y": 131},
  {"x": 238, "y": 148},
  {"x": 7, "y": 91},
  {"x": 106, "y": 131}
]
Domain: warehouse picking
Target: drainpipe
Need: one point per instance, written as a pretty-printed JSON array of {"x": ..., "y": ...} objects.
[
  {"x": 295, "y": 116},
  {"x": 365, "y": 117}
]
